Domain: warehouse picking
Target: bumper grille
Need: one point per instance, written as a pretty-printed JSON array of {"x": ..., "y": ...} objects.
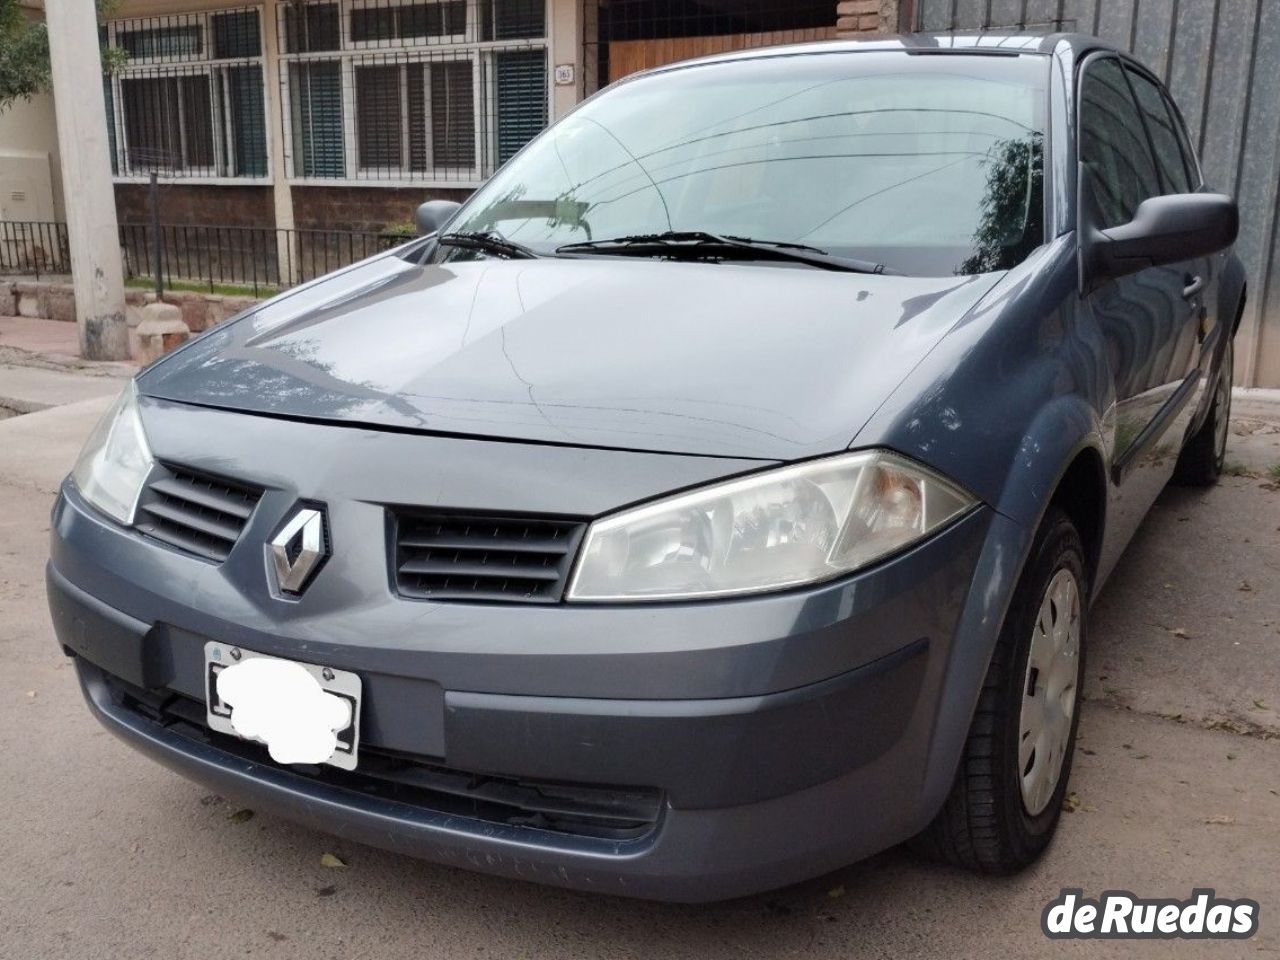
[
  {"x": 462, "y": 557},
  {"x": 600, "y": 813},
  {"x": 194, "y": 512}
]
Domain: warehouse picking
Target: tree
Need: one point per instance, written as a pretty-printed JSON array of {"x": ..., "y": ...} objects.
[{"x": 24, "y": 52}]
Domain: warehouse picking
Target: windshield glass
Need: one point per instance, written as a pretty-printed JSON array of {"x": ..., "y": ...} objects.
[{"x": 931, "y": 165}]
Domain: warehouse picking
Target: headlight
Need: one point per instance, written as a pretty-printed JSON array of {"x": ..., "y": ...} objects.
[
  {"x": 115, "y": 460},
  {"x": 781, "y": 528}
]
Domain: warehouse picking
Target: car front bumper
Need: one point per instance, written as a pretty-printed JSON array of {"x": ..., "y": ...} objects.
[{"x": 782, "y": 735}]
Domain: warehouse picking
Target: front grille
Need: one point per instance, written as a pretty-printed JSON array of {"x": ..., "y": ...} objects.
[
  {"x": 593, "y": 812},
  {"x": 468, "y": 557},
  {"x": 195, "y": 512}
]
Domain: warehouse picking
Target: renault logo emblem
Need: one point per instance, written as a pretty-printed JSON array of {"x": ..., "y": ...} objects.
[{"x": 298, "y": 551}]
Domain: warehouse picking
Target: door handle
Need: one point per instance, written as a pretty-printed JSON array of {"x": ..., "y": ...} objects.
[{"x": 1193, "y": 287}]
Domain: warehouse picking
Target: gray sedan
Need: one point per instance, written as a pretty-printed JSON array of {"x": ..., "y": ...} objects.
[{"x": 716, "y": 498}]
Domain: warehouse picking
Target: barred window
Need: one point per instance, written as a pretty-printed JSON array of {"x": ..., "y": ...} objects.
[
  {"x": 190, "y": 100},
  {"x": 411, "y": 90}
]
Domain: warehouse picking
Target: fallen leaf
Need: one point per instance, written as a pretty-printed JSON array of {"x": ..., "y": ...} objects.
[
  {"x": 836, "y": 892},
  {"x": 1261, "y": 705},
  {"x": 1245, "y": 587},
  {"x": 1220, "y": 820},
  {"x": 329, "y": 860},
  {"x": 1142, "y": 756},
  {"x": 240, "y": 816},
  {"x": 31, "y": 694},
  {"x": 1180, "y": 633},
  {"x": 1071, "y": 802}
]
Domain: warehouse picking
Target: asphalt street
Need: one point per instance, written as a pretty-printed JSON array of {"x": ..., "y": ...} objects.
[{"x": 1177, "y": 785}]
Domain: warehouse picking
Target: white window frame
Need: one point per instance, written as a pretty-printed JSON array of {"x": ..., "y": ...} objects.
[
  {"x": 164, "y": 67},
  {"x": 427, "y": 50}
]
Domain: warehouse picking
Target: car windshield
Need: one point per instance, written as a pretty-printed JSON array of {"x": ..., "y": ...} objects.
[{"x": 930, "y": 165}]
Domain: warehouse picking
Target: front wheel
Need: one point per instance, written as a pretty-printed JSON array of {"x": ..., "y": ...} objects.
[
  {"x": 1203, "y": 458},
  {"x": 1007, "y": 796}
]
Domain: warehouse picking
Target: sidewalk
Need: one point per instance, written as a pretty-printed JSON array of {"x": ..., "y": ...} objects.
[
  {"x": 40, "y": 367},
  {"x": 51, "y": 344}
]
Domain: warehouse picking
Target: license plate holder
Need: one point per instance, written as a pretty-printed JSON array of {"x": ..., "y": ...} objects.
[{"x": 340, "y": 683}]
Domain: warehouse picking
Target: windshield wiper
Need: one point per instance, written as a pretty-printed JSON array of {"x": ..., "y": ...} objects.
[
  {"x": 700, "y": 243},
  {"x": 488, "y": 242}
]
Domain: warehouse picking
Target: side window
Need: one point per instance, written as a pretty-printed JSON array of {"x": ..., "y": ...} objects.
[
  {"x": 1164, "y": 138},
  {"x": 1113, "y": 145}
]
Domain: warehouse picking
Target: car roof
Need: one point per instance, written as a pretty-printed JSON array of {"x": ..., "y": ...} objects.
[{"x": 986, "y": 42}]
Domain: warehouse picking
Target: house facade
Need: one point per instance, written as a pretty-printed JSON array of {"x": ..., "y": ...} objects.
[{"x": 346, "y": 114}]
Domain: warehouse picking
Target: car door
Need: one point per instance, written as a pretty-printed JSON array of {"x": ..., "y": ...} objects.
[
  {"x": 1145, "y": 318},
  {"x": 1179, "y": 173}
]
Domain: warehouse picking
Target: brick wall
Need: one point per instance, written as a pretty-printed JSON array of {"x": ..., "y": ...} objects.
[
  {"x": 361, "y": 208},
  {"x": 226, "y": 206},
  {"x": 855, "y": 18},
  {"x": 314, "y": 208}
]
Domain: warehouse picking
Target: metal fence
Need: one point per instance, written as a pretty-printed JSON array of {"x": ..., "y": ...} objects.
[
  {"x": 1221, "y": 61},
  {"x": 237, "y": 260},
  {"x": 33, "y": 247},
  {"x": 257, "y": 260}
]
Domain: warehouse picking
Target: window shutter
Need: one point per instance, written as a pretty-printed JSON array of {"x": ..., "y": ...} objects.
[
  {"x": 248, "y": 125},
  {"x": 316, "y": 109},
  {"x": 236, "y": 35},
  {"x": 416, "y": 84},
  {"x": 453, "y": 115},
  {"x": 197, "y": 121},
  {"x": 522, "y": 99},
  {"x": 311, "y": 28},
  {"x": 516, "y": 20},
  {"x": 109, "y": 95},
  {"x": 378, "y": 116}
]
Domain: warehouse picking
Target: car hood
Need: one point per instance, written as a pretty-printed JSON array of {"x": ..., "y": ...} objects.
[{"x": 717, "y": 359}]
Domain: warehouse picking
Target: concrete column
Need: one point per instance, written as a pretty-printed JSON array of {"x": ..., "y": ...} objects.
[
  {"x": 566, "y": 51},
  {"x": 282, "y": 194},
  {"x": 92, "y": 231}
]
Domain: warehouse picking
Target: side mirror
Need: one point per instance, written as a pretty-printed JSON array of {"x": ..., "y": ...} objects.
[
  {"x": 1181, "y": 226},
  {"x": 433, "y": 215}
]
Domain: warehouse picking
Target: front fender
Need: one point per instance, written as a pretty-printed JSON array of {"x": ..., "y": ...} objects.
[
  {"x": 1059, "y": 433},
  {"x": 1003, "y": 405}
]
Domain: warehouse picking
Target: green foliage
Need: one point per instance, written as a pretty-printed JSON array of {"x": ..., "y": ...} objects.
[
  {"x": 1015, "y": 191},
  {"x": 24, "y": 52},
  {"x": 405, "y": 228}
]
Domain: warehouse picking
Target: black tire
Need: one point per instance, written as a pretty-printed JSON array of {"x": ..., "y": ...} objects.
[
  {"x": 985, "y": 825},
  {"x": 1205, "y": 454}
]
